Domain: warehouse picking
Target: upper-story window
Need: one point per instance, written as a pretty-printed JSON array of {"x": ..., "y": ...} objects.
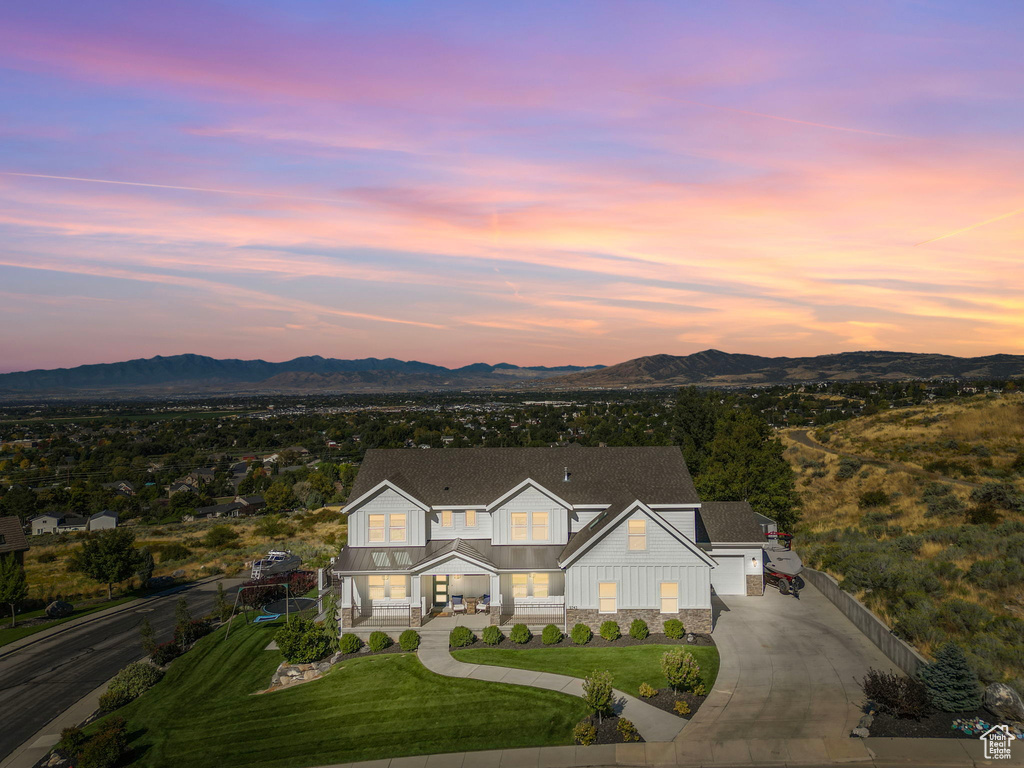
[
  {"x": 446, "y": 519},
  {"x": 540, "y": 526},
  {"x": 377, "y": 524},
  {"x": 397, "y": 527},
  {"x": 637, "y": 534},
  {"x": 520, "y": 526},
  {"x": 471, "y": 518}
]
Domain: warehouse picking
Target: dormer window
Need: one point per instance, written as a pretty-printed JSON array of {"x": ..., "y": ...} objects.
[
  {"x": 540, "y": 526},
  {"x": 397, "y": 527},
  {"x": 637, "y": 535},
  {"x": 520, "y": 525}
]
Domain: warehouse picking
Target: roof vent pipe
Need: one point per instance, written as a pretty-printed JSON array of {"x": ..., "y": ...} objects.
[{"x": 566, "y": 478}]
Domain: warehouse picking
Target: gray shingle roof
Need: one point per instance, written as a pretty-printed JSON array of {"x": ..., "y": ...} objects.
[
  {"x": 11, "y": 535},
  {"x": 727, "y": 522},
  {"x": 467, "y": 476}
]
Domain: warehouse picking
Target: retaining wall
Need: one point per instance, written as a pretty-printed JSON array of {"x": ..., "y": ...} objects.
[{"x": 901, "y": 654}]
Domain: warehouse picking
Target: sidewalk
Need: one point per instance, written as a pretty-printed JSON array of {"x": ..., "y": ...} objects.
[
  {"x": 654, "y": 724},
  {"x": 131, "y": 605}
]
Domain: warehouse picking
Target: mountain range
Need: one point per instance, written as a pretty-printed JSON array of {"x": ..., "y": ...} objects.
[{"x": 198, "y": 374}]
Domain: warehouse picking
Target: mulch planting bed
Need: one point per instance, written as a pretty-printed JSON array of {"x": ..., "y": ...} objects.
[
  {"x": 596, "y": 642},
  {"x": 937, "y": 725},
  {"x": 608, "y": 730},
  {"x": 365, "y": 651},
  {"x": 666, "y": 699}
]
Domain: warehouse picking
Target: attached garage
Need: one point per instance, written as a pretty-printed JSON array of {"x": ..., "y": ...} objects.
[{"x": 728, "y": 576}]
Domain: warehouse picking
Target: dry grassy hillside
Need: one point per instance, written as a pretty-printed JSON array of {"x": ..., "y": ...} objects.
[
  {"x": 186, "y": 547},
  {"x": 926, "y": 524}
]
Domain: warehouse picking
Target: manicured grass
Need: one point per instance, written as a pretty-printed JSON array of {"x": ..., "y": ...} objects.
[
  {"x": 202, "y": 714},
  {"x": 629, "y": 665},
  {"x": 9, "y": 634}
]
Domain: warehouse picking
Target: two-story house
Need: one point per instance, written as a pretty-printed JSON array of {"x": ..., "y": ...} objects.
[{"x": 540, "y": 535}]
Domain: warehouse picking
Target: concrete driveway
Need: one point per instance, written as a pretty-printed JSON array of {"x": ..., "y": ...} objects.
[{"x": 789, "y": 670}]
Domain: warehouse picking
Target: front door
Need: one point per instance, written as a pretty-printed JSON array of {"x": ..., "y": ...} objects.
[{"x": 440, "y": 591}]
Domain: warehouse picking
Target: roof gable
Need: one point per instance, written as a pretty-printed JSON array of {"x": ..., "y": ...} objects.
[
  {"x": 382, "y": 486},
  {"x": 527, "y": 483},
  {"x": 571, "y": 554}
]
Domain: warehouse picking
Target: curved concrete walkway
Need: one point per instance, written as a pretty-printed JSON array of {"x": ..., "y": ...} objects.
[{"x": 654, "y": 724}]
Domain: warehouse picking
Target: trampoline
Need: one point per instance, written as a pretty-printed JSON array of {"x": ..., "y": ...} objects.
[{"x": 292, "y": 605}]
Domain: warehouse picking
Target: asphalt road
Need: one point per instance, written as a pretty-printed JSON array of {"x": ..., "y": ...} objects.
[{"x": 41, "y": 680}]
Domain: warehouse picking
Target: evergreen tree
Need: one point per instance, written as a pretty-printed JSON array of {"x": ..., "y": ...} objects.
[
  {"x": 745, "y": 463},
  {"x": 951, "y": 683},
  {"x": 13, "y": 585}
]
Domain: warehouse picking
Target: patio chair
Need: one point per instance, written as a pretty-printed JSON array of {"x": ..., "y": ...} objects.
[
  {"x": 484, "y": 606},
  {"x": 458, "y": 604}
]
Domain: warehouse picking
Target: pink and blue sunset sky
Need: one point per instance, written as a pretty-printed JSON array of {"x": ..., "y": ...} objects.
[{"x": 535, "y": 183}]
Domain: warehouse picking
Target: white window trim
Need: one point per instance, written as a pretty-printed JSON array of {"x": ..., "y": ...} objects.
[
  {"x": 632, "y": 538},
  {"x": 387, "y": 587},
  {"x": 534, "y": 525},
  {"x": 525, "y": 527},
  {"x": 447, "y": 519},
  {"x": 404, "y": 527},
  {"x": 383, "y": 528},
  {"x": 471, "y": 518},
  {"x": 662, "y": 598},
  {"x": 615, "y": 597}
]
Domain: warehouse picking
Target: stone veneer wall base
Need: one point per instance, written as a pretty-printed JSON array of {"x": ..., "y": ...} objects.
[{"x": 696, "y": 620}]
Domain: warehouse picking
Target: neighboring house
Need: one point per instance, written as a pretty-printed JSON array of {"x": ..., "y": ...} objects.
[
  {"x": 122, "y": 487},
  {"x": 41, "y": 524},
  {"x": 250, "y": 504},
  {"x": 198, "y": 477},
  {"x": 101, "y": 521},
  {"x": 541, "y": 535},
  {"x": 181, "y": 485},
  {"x": 72, "y": 523},
  {"x": 230, "y": 509},
  {"x": 12, "y": 539}
]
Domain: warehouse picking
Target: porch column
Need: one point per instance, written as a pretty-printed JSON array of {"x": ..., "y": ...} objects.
[
  {"x": 495, "y": 599},
  {"x": 415, "y": 602}
]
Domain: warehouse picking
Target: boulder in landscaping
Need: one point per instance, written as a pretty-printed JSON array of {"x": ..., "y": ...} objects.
[
  {"x": 58, "y": 609},
  {"x": 1003, "y": 702},
  {"x": 178, "y": 574}
]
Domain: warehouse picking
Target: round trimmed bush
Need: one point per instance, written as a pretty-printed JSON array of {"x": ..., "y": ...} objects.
[
  {"x": 520, "y": 634},
  {"x": 379, "y": 641},
  {"x": 460, "y": 637},
  {"x": 610, "y": 630},
  {"x": 350, "y": 643},
  {"x": 303, "y": 641},
  {"x": 639, "y": 630},
  {"x": 165, "y": 653},
  {"x": 581, "y": 634},
  {"x": 551, "y": 635},
  {"x": 409, "y": 640},
  {"x": 492, "y": 635},
  {"x": 674, "y": 629}
]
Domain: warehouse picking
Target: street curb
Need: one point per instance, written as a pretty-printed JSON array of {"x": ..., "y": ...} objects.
[{"x": 46, "y": 634}]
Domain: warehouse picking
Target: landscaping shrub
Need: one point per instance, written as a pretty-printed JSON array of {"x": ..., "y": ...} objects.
[
  {"x": 349, "y": 643},
  {"x": 186, "y": 634},
  {"x": 461, "y": 637},
  {"x": 492, "y": 635},
  {"x": 165, "y": 653},
  {"x": 682, "y": 708},
  {"x": 647, "y": 690},
  {"x": 71, "y": 741},
  {"x": 610, "y": 630},
  {"x": 107, "y": 747},
  {"x": 520, "y": 634},
  {"x": 627, "y": 730},
  {"x": 128, "y": 684},
  {"x": 674, "y": 629},
  {"x": 680, "y": 669},
  {"x": 894, "y": 694},
  {"x": 584, "y": 733},
  {"x": 598, "y": 693},
  {"x": 174, "y": 550},
  {"x": 409, "y": 640},
  {"x": 581, "y": 634},
  {"x": 639, "y": 630},
  {"x": 378, "y": 641},
  {"x": 950, "y": 683},
  {"x": 551, "y": 635},
  {"x": 303, "y": 641}
]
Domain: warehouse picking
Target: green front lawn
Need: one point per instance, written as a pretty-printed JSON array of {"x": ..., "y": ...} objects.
[
  {"x": 203, "y": 714},
  {"x": 630, "y": 665},
  {"x": 9, "y": 634}
]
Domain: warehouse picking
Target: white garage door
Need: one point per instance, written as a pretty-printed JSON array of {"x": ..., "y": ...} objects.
[{"x": 728, "y": 577}]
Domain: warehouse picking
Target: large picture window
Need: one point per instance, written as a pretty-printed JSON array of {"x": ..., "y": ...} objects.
[
  {"x": 606, "y": 591},
  {"x": 669, "y": 597},
  {"x": 377, "y": 524},
  {"x": 519, "y": 526},
  {"x": 540, "y": 526},
  {"x": 637, "y": 534},
  {"x": 384, "y": 586},
  {"x": 520, "y": 585},
  {"x": 397, "y": 527},
  {"x": 378, "y": 585}
]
